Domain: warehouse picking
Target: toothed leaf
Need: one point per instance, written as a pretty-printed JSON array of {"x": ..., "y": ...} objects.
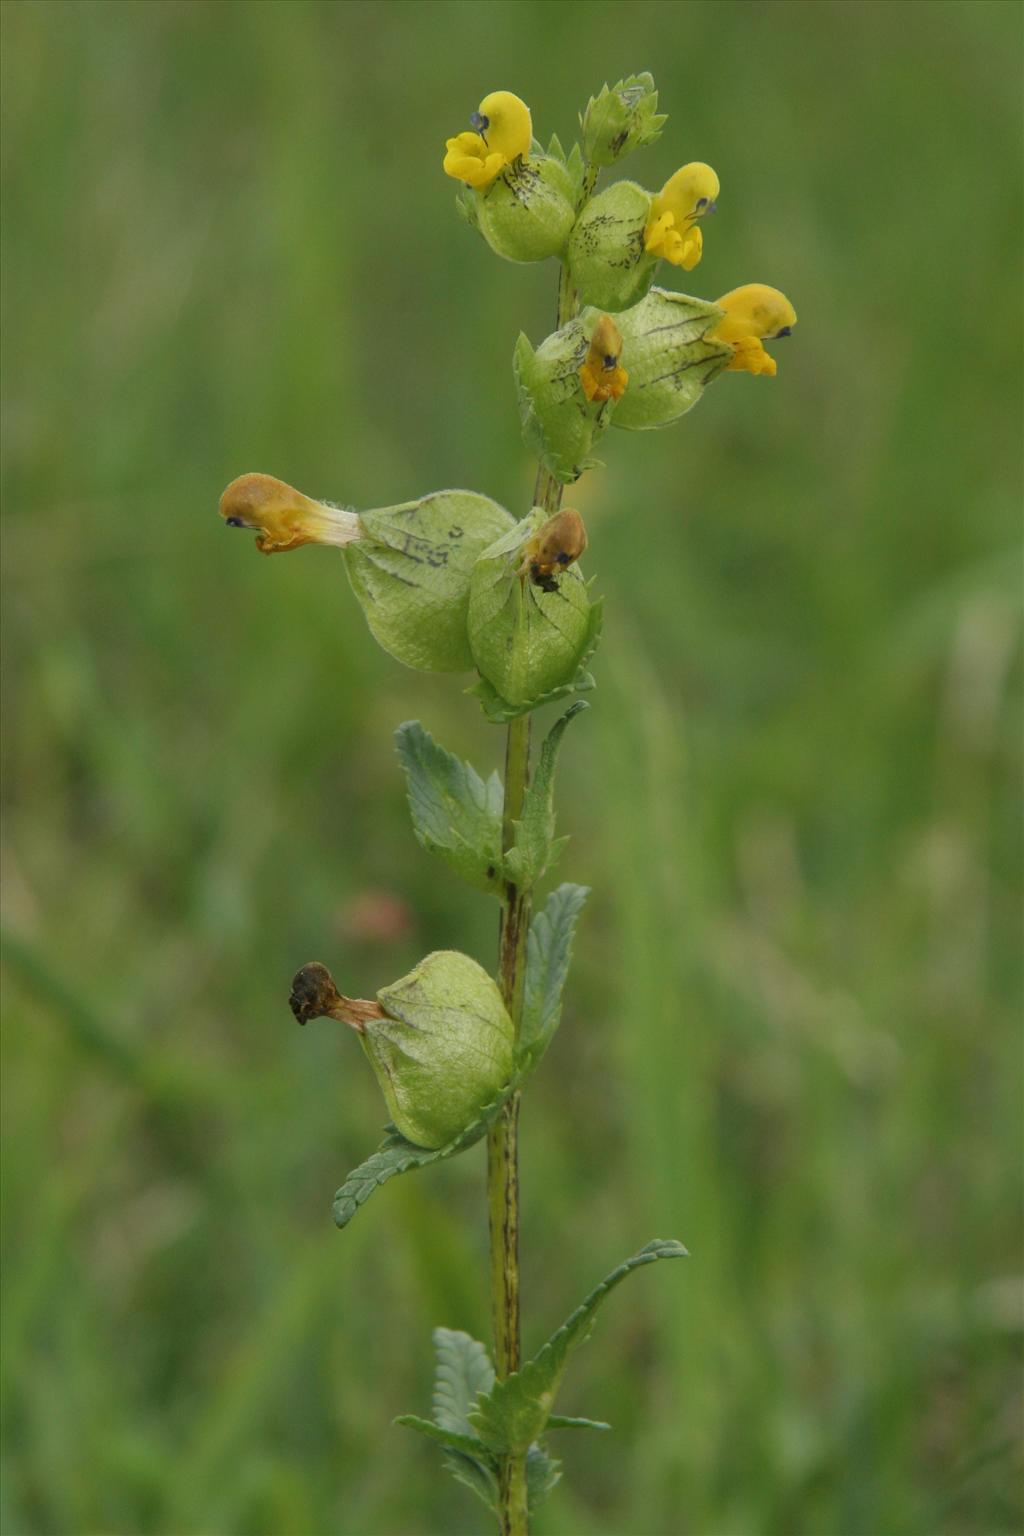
[
  {"x": 516, "y": 1410},
  {"x": 542, "y": 1473},
  {"x": 463, "y": 1370},
  {"x": 455, "y": 813},
  {"x": 396, "y": 1155},
  {"x": 559, "y": 1421},
  {"x": 467, "y": 1445},
  {"x": 548, "y": 955}
]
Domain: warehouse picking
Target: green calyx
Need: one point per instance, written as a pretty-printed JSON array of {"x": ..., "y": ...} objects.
[
  {"x": 528, "y": 638},
  {"x": 560, "y": 426},
  {"x": 670, "y": 355},
  {"x": 621, "y": 119},
  {"x": 410, "y": 570},
  {"x": 527, "y": 212},
  {"x": 610, "y": 267},
  {"x": 443, "y": 1049}
]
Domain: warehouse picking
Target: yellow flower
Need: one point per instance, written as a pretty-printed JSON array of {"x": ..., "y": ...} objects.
[
  {"x": 502, "y": 132},
  {"x": 468, "y": 160},
  {"x": 672, "y": 231},
  {"x": 752, "y": 313},
  {"x": 283, "y": 517},
  {"x": 600, "y": 375}
]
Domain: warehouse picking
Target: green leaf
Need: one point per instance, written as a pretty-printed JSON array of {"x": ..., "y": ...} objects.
[
  {"x": 516, "y": 1410},
  {"x": 455, "y": 813},
  {"x": 559, "y": 1421},
  {"x": 548, "y": 954},
  {"x": 475, "y": 1475},
  {"x": 396, "y": 1155},
  {"x": 467, "y": 1445},
  {"x": 542, "y": 1473},
  {"x": 534, "y": 847},
  {"x": 499, "y": 711},
  {"x": 463, "y": 1370}
]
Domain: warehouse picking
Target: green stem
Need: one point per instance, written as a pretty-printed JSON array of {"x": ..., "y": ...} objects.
[{"x": 503, "y": 1138}]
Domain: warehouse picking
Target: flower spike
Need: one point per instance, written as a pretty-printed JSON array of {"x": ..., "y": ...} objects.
[
  {"x": 753, "y": 314},
  {"x": 673, "y": 232}
]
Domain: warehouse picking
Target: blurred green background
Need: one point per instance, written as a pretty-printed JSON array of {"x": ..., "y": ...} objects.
[{"x": 791, "y": 1036}]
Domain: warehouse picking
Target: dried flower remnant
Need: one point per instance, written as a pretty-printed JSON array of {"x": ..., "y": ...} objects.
[
  {"x": 315, "y": 996},
  {"x": 282, "y": 517}
]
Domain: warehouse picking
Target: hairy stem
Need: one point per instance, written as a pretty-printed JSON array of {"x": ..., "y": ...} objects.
[{"x": 503, "y": 1138}]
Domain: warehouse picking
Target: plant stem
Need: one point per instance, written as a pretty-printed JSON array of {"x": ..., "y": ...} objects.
[{"x": 503, "y": 1137}]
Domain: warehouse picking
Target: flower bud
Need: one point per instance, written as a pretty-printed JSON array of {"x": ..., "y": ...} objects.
[
  {"x": 409, "y": 565},
  {"x": 561, "y": 410},
  {"x": 609, "y": 265},
  {"x": 530, "y": 617},
  {"x": 620, "y": 120},
  {"x": 527, "y": 211},
  {"x": 440, "y": 1041},
  {"x": 672, "y": 355}
]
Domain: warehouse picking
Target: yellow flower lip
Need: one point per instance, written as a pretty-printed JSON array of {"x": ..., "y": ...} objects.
[
  {"x": 752, "y": 315},
  {"x": 672, "y": 232},
  {"x": 502, "y": 132},
  {"x": 283, "y": 517}
]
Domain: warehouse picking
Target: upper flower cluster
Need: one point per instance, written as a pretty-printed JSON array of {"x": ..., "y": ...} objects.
[
  {"x": 452, "y": 581},
  {"x": 529, "y": 203}
]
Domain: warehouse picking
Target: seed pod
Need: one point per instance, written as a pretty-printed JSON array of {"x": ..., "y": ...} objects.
[
  {"x": 408, "y": 565},
  {"x": 440, "y": 1041},
  {"x": 672, "y": 357},
  {"x": 620, "y": 120},
  {"x": 527, "y": 211},
  {"x": 530, "y": 616},
  {"x": 607, "y": 260}
]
